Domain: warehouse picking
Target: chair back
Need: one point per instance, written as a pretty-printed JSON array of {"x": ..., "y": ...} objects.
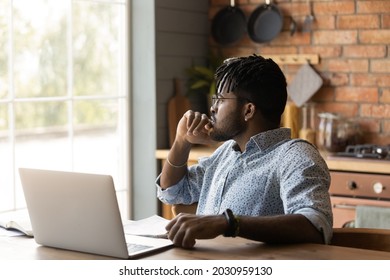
[
  {"x": 181, "y": 208},
  {"x": 363, "y": 238}
]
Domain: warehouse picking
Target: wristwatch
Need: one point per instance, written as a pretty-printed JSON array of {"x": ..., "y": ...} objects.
[{"x": 233, "y": 224}]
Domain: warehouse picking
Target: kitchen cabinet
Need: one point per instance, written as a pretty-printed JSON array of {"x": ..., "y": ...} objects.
[{"x": 357, "y": 182}]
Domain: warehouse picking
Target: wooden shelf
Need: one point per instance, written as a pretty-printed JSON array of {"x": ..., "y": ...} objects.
[{"x": 284, "y": 59}]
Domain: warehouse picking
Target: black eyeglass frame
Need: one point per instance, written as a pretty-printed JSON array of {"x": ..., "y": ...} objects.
[{"x": 215, "y": 99}]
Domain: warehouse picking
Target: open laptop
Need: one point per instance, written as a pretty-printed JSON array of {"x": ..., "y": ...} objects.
[{"x": 79, "y": 212}]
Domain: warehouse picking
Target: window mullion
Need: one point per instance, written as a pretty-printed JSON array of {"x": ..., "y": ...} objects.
[
  {"x": 11, "y": 97},
  {"x": 69, "y": 48}
]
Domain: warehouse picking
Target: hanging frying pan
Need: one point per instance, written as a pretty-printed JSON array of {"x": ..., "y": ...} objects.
[
  {"x": 228, "y": 25},
  {"x": 265, "y": 22}
]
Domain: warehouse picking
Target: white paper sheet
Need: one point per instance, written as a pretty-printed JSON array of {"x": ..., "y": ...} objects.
[{"x": 153, "y": 226}]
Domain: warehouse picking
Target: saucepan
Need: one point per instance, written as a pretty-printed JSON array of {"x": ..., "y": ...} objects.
[
  {"x": 265, "y": 22},
  {"x": 228, "y": 25}
]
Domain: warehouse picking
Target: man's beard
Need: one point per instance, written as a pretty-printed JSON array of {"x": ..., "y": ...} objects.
[{"x": 228, "y": 128}]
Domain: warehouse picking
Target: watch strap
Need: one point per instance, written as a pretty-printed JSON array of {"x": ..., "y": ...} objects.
[{"x": 233, "y": 224}]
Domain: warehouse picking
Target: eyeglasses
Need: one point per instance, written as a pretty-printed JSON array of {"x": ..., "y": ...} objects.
[{"x": 215, "y": 99}]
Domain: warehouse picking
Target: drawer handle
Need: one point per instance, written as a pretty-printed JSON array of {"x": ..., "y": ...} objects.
[{"x": 344, "y": 206}]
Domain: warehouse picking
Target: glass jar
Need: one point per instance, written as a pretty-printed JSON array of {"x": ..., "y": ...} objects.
[
  {"x": 329, "y": 137},
  {"x": 324, "y": 127},
  {"x": 335, "y": 133},
  {"x": 352, "y": 132}
]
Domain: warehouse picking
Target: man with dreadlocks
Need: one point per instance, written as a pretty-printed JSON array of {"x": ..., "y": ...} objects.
[{"x": 259, "y": 184}]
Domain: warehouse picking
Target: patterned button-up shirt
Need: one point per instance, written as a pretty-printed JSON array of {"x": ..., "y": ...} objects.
[{"x": 274, "y": 175}]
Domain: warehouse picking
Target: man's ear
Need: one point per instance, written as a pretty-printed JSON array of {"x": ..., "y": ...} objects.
[{"x": 249, "y": 111}]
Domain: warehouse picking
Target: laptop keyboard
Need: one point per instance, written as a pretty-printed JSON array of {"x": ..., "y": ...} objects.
[{"x": 131, "y": 247}]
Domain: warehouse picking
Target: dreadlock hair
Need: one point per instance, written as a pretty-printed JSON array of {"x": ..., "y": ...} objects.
[{"x": 258, "y": 80}]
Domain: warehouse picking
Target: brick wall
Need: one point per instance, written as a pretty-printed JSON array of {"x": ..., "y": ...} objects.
[{"x": 352, "y": 38}]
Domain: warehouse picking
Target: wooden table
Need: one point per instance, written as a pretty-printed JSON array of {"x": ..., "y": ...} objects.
[{"x": 221, "y": 248}]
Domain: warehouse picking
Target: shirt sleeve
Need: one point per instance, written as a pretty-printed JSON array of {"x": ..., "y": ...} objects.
[
  {"x": 305, "y": 181},
  {"x": 169, "y": 195},
  {"x": 319, "y": 221},
  {"x": 186, "y": 191}
]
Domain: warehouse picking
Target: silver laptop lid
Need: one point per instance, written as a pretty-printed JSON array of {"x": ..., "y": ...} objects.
[{"x": 74, "y": 211}]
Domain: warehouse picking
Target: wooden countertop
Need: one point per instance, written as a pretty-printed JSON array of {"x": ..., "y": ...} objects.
[
  {"x": 358, "y": 165},
  {"x": 334, "y": 163},
  {"x": 195, "y": 154}
]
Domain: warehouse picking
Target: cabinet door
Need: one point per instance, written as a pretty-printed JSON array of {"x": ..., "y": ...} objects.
[{"x": 344, "y": 208}]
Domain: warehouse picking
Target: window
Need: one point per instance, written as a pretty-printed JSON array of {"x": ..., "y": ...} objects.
[{"x": 63, "y": 91}]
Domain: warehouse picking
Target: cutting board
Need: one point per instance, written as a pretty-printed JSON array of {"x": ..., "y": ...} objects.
[
  {"x": 177, "y": 106},
  {"x": 290, "y": 118}
]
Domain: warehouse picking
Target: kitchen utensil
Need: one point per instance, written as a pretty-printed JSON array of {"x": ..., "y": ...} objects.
[
  {"x": 229, "y": 25},
  {"x": 265, "y": 22},
  {"x": 308, "y": 129},
  {"x": 304, "y": 85},
  {"x": 293, "y": 26},
  {"x": 177, "y": 106},
  {"x": 308, "y": 22}
]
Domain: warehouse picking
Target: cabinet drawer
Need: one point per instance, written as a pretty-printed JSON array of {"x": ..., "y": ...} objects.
[{"x": 361, "y": 185}]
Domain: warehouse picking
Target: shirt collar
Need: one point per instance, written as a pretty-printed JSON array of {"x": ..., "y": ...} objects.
[{"x": 269, "y": 138}]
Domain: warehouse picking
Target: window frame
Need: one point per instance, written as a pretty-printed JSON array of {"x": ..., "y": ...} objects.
[{"x": 123, "y": 98}]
